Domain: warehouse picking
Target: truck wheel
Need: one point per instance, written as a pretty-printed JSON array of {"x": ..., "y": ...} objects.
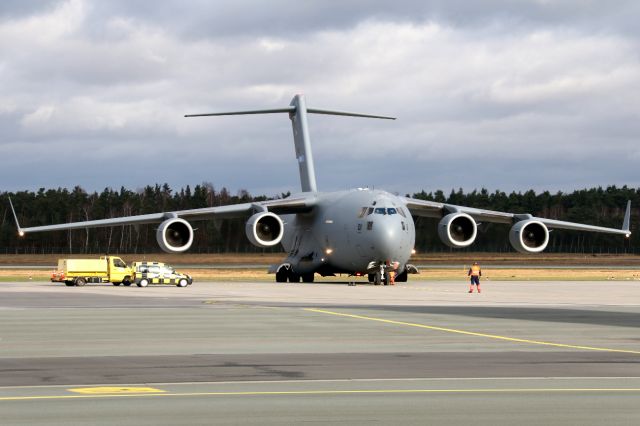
[
  {"x": 116, "y": 284},
  {"x": 126, "y": 281},
  {"x": 182, "y": 283},
  {"x": 80, "y": 281},
  {"x": 143, "y": 282},
  {"x": 307, "y": 278},
  {"x": 69, "y": 283}
]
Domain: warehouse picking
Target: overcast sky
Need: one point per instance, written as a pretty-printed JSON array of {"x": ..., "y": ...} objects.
[{"x": 500, "y": 94}]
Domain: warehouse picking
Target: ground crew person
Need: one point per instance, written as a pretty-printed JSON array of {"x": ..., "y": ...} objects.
[{"x": 474, "y": 273}]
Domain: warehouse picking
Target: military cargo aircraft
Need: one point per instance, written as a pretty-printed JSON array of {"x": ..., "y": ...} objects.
[{"x": 358, "y": 231}]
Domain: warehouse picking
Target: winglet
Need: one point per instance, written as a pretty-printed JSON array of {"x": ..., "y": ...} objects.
[
  {"x": 626, "y": 224},
  {"x": 20, "y": 231}
]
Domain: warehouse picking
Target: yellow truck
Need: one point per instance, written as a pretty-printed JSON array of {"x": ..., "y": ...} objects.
[{"x": 107, "y": 269}]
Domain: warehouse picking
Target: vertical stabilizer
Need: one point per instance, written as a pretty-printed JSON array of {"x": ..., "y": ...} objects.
[
  {"x": 302, "y": 142},
  {"x": 298, "y": 110}
]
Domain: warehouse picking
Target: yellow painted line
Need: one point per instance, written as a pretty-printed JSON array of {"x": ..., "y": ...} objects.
[
  {"x": 111, "y": 390},
  {"x": 472, "y": 333},
  {"x": 326, "y": 392}
]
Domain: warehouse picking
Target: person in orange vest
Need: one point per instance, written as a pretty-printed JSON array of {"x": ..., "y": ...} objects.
[{"x": 475, "y": 273}]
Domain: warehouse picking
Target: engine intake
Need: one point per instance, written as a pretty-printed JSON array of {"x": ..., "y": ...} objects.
[
  {"x": 175, "y": 235},
  {"x": 264, "y": 229},
  {"x": 529, "y": 236},
  {"x": 457, "y": 230}
]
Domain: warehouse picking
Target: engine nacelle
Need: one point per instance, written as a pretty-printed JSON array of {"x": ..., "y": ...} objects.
[
  {"x": 264, "y": 229},
  {"x": 529, "y": 236},
  {"x": 175, "y": 235},
  {"x": 457, "y": 230}
]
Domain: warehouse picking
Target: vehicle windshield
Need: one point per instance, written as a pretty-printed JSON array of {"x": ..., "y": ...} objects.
[{"x": 119, "y": 263}]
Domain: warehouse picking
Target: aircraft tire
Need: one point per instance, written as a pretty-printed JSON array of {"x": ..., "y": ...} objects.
[
  {"x": 281, "y": 275},
  {"x": 402, "y": 277},
  {"x": 294, "y": 278},
  {"x": 371, "y": 277},
  {"x": 308, "y": 278},
  {"x": 377, "y": 279}
]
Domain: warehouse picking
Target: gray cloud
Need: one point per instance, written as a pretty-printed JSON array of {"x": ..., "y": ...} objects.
[{"x": 541, "y": 94}]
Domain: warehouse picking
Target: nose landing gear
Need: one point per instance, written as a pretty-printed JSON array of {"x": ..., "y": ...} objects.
[{"x": 381, "y": 276}]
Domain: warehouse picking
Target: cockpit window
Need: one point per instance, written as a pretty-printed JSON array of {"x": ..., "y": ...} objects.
[
  {"x": 401, "y": 211},
  {"x": 391, "y": 211},
  {"x": 365, "y": 211},
  {"x": 381, "y": 210}
]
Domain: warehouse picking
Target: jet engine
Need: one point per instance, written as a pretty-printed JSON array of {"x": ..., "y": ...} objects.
[
  {"x": 529, "y": 236},
  {"x": 175, "y": 235},
  {"x": 457, "y": 230},
  {"x": 264, "y": 229}
]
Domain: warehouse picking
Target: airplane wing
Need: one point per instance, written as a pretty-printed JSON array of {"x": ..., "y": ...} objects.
[
  {"x": 294, "y": 204},
  {"x": 437, "y": 210}
]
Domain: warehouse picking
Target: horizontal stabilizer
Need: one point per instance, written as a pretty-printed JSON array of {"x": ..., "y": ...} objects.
[
  {"x": 348, "y": 114},
  {"x": 292, "y": 109},
  {"x": 256, "y": 111}
]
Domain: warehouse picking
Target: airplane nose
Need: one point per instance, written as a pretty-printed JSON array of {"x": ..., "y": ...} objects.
[{"x": 386, "y": 240}]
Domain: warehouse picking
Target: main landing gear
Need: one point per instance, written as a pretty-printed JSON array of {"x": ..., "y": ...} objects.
[{"x": 285, "y": 274}]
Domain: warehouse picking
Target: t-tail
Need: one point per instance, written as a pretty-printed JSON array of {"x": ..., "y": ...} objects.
[{"x": 297, "y": 111}]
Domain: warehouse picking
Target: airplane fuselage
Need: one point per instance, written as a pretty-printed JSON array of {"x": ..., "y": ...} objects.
[{"x": 349, "y": 232}]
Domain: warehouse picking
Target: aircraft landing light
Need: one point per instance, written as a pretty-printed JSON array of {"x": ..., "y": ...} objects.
[{"x": 328, "y": 251}]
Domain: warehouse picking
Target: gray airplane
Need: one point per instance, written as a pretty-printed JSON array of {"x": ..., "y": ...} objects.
[{"x": 358, "y": 231}]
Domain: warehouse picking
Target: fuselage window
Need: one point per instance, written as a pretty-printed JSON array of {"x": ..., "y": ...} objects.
[
  {"x": 359, "y": 227},
  {"x": 391, "y": 211},
  {"x": 381, "y": 210}
]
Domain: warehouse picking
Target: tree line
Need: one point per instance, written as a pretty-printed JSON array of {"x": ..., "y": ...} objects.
[{"x": 598, "y": 206}]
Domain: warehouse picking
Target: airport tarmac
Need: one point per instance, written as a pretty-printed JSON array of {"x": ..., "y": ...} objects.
[{"x": 265, "y": 353}]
